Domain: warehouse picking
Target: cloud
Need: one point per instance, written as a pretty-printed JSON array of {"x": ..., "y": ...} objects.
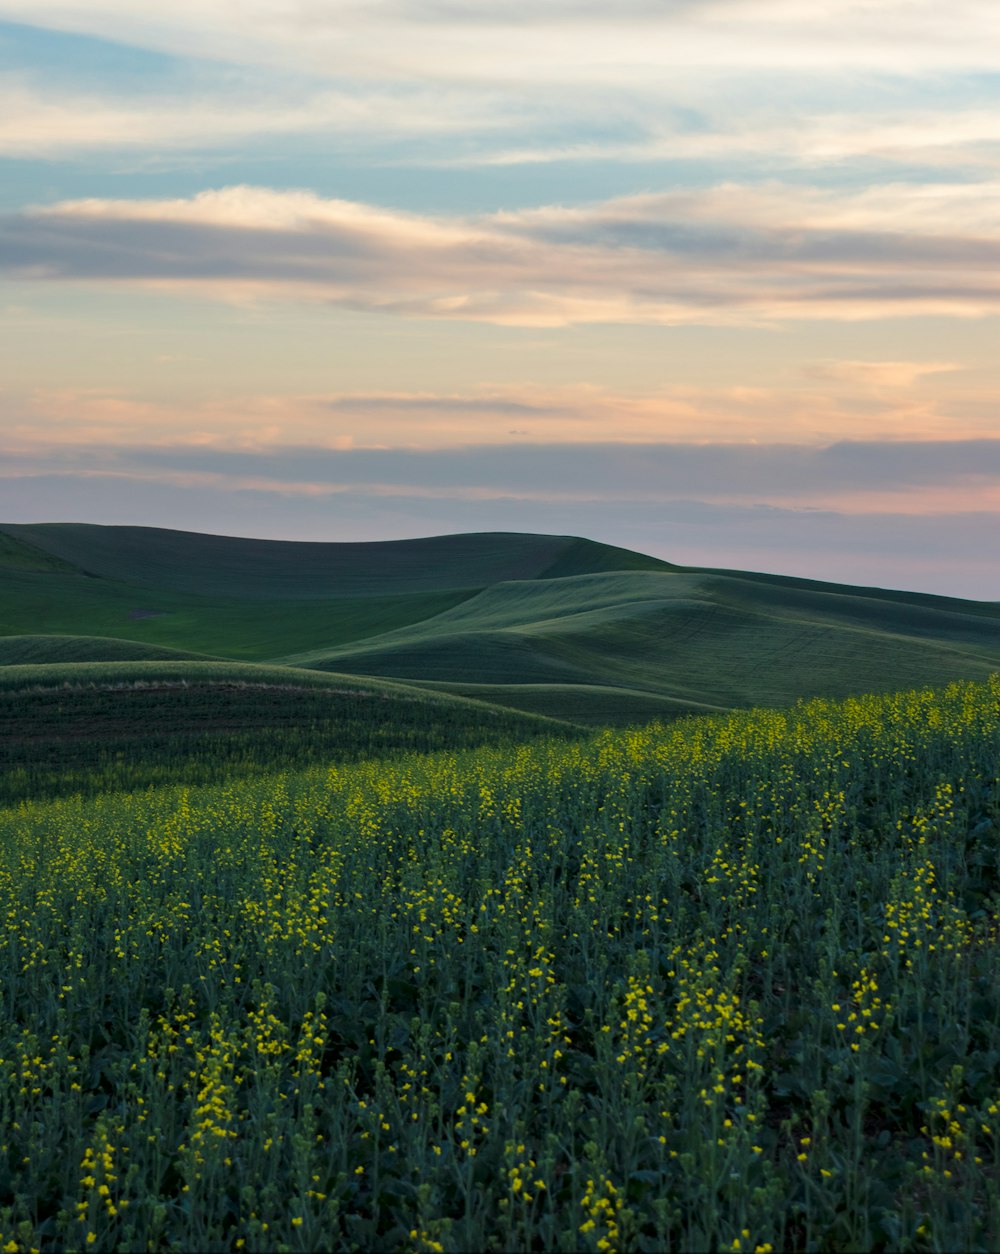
[
  {"x": 880, "y": 375},
  {"x": 432, "y": 404},
  {"x": 863, "y": 476},
  {"x": 516, "y": 42},
  {"x": 748, "y": 132},
  {"x": 46, "y": 120},
  {"x": 846, "y": 407},
  {"x": 727, "y": 254},
  {"x": 467, "y": 84}
]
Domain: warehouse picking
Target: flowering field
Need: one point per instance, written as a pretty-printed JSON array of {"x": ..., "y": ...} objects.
[{"x": 730, "y": 983}]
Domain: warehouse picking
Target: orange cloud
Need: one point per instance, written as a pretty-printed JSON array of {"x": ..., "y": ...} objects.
[
  {"x": 492, "y": 415},
  {"x": 880, "y": 376}
]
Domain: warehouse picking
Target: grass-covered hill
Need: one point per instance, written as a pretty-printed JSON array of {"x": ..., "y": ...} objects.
[
  {"x": 203, "y": 565},
  {"x": 93, "y": 726},
  {"x": 260, "y": 600},
  {"x": 52, "y": 650},
  {"x": 695, "y": 640},
  {"x": 555, "y": 625}
]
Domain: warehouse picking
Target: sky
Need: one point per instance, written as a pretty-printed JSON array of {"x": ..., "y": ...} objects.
[{"x": 718, "y": 280}]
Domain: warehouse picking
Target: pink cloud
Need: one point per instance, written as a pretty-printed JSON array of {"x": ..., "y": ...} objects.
[{"x": 727, "y": 255}]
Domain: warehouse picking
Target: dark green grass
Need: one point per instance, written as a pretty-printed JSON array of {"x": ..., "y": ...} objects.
[
  {"x": 182, "y": 561},
  {"x": 16, "y": 554},
  {"x": 696, "y": 639},
  {"x": 122, "y": 673},
  {"x": 587, "y": 704},
  {"x": 105, "y": 727},
  {"x": 547, "y": 623},
  {"x": 72, "y": 604},
  {"x": 51, "y": 650}
]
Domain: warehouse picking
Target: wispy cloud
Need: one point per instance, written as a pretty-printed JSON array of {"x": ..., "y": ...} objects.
[
  {"x": 416, "y": 125},
  {"x": 869, "y": 476},
  {"x": 880, "y": 376},
  {"x": 524, "y": 83},
  {"x": 431, "y": 404},
  {"x": 947, "y": 139},
  {"x": 516, "y": 41},
  {"x": 729, "y": 254},
  {"x": 848, "y": 405},
  {"x": 39, "y": 119}
]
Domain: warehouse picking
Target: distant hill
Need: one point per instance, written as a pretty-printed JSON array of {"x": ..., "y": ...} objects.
[
  {"x": 186, "y": 561},
  {"x": 555, "y": 625}
]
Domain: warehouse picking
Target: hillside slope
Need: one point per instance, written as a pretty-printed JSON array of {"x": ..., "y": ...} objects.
[
  {"x": 696, "y": 640},
  {"x": 544, "y": 624},
  {"x": 47, "y": 650},
  {"x": 204, "y": 565}
]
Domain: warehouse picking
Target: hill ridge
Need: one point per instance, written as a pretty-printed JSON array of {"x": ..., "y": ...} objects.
[{"x": 200, "y": 563}]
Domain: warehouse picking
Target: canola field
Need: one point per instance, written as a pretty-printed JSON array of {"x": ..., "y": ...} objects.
[{"x": 731, "y": 983}]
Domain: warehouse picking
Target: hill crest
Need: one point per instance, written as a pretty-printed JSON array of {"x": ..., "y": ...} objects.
[{"x": 193, "y": 562}]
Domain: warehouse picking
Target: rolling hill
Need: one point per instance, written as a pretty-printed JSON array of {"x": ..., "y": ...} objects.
[
  {"x": 89, "y": 726},
  {"x": 50, "y": 650},
  {"x": 552, "y": 625},
  {"x": 204, "y": 565}
]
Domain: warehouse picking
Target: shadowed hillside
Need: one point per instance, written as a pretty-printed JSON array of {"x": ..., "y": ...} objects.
[
  {"x": 185, "y": 561},
  {"x": 47, "y": 650}
]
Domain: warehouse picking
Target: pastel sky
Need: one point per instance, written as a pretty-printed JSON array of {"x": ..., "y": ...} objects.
[{"x": 714, "y": 279}]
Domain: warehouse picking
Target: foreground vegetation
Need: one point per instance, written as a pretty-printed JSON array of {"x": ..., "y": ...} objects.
[{"x": 731, "y": 983}]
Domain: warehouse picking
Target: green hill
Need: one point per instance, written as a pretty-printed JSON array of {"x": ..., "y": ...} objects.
[
  {"x": 684, "y": 640},
  {"x": 95, "y": 726},
  {"x": 257, "y": 600},
  {"x": 214, "y": 566},
  {"x": 545, "y": 624},
  {"x": 40, "y": 650}
]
